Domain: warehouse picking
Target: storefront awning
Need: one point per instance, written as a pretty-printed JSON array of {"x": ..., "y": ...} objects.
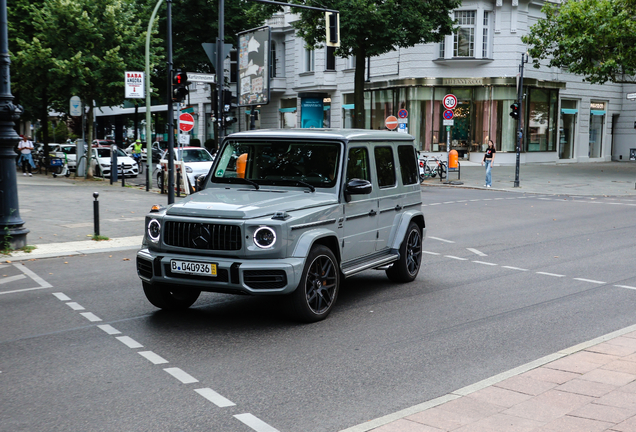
[
  {"x": 286, "y": 110},
  {"x": 569, "y": 111},
  {"x": 597, "y": 112}
]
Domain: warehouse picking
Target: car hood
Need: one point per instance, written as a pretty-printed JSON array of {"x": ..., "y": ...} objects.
[
  {"x": 199, "y": 167},
  {"x": 248, "y": 204}
]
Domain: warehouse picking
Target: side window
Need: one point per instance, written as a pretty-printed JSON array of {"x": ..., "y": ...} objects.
[
  {"x": 408, "y": 164},
  {"x": 358, "y": 164},
  {"x": 385, "y": 166}
]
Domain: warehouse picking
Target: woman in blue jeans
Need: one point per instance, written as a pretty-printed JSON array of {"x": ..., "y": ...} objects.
[{"x": 489, "y": 160}]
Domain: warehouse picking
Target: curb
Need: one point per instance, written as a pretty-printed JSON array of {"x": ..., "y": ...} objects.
[{"x": 54, "y": 250}]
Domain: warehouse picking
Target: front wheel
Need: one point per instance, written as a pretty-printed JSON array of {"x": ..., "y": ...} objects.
[
  {"x": 441, "y": 169},
  {"x": 166, "y": 297},
  {"x": 317, "y": 291},
  {"x": 406, "y": 268}
]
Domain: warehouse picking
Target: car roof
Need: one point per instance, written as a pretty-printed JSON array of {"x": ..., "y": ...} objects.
[{"x": 322, "y": 134}]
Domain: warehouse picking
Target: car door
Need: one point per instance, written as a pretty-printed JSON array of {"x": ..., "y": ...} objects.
[
  {"x": 388, "y": 195},
  {"x": 360, "y": 213}
]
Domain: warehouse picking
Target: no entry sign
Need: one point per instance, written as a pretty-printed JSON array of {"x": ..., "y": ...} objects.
[
  {"x": 186, "y": 122},
  {"x": 391, "y": 122}
]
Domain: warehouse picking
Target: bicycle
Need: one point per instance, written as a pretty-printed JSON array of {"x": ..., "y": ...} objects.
[{"x": 140, "y": 165}]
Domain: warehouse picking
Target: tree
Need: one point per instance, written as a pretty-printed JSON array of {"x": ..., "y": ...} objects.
[
  {"x": 370, "y": 28},
  {"x": 593, "y": 38}
]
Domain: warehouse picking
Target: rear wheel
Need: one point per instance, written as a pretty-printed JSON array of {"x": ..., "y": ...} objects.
[
  {"x": 441, "y": 170},
  {"x": 166, "y": 297},
  {"x": 317, "y": 291},
  {"x": 406, "y": 268}
]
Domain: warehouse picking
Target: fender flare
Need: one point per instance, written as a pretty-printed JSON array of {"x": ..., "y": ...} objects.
[
  {"x": 307, "y": 240},
  {"x": 405, "y": 220}
]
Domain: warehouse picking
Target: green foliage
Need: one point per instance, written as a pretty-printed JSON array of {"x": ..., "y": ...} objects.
[
  {"x": 593, "y": 38},
  {"x": 370, "y": 28}
]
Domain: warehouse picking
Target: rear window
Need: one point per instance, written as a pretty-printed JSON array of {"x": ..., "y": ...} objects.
[
  {"x": 408, "y": 164},
  {"x": 384, "y": 166}
]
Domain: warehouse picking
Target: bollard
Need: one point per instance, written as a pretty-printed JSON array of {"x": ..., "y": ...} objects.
[
  {"x": 123, "y": 176},
  {"x": 96, "y": 213},
  {"x": 178, "y": 183}
]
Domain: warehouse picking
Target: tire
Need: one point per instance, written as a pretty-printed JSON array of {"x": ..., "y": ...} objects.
[
  {"x": 441, "y": 169},
  {"x": 317, "y": 291},
  {"x": 407, "y": 267},
  {"x": 160, "y": 182},
  {"x": 163, "y": 297}
]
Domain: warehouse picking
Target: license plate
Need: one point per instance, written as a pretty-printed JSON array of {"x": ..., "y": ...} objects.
[{"x": 193, "y": 268}]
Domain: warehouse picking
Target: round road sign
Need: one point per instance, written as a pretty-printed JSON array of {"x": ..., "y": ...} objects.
[
  {"x": 186, "y": 122},
  {"x": 450, "y": 101},
  {"x": 391, "y": 122},
  {"x": 448, "y": 114},
  {"x": 403, "y": 113}
]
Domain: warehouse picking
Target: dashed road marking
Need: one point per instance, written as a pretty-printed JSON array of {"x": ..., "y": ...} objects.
[
  {"x": 515, "y": 268},
  {"x": 255, "y": 423},
  {"x": 431, "y": 253},
  {"x": 152, "y": 357},
  {"x": 626, "y": 286},
  {"x": 90, "y": 316},
  {"x": 75, "y": 306},
  {"x": 589, "y": 280},
  {"x": 440, "y": 239},
  {"x": 12, "y": 279},
  {"x": 182, "y": 376},
  {"x": 485, "y": 263},
  {"x": 476, "y": 252},
  {"x": 456, "y": 258},
  {"x": 109, "y": 329},
  {"x": 129, "y": 342},
  {"x": 61, "y": 296},
  {"x": 215, "y": 398},
  {"x": 550, "y": 274}
]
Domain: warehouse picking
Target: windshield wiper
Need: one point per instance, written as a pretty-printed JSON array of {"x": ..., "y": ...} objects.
[
  {"x": 301, "y": 183},
  {"x": 248, "y": 181}
]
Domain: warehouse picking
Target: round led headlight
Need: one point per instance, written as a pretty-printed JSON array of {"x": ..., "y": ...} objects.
[
  {"x": 154, "y": 230},
  {"x": 264, "y": 237}
]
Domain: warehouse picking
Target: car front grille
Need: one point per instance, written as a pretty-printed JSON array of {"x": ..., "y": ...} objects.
[{"x": 203, "y": 236}]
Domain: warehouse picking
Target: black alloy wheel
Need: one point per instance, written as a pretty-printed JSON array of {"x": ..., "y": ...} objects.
[{"x": 407, "y": 267}]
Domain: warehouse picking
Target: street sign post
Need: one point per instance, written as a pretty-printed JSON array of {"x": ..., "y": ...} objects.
[
  {"x": 76, "y": 107},
  {"x": 403, "y": 113},
  {"x": 186, "y": 122},
  {"x": 448, "y": 122},
  {"x": 200, "y": 77},
  {"x": 391, "y": 122},
  {"x": 450, "y": 101}
]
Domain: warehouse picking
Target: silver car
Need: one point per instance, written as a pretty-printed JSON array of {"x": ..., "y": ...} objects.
[{"x": 292, "y": 213}]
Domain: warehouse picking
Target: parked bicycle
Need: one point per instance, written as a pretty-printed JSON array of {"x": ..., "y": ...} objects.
[{"x": 432, "y": 166}]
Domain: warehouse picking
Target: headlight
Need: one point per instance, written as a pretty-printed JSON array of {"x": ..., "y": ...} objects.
[
  {"x": 154, "y": 230},
  {"x": 188, "y": 169},
  {"x": 264, "y": 237}
]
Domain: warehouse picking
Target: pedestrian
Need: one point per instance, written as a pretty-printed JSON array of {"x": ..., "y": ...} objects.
[
  {"x": 489, "y": 160},
  {"x": 26, "y": 158}
]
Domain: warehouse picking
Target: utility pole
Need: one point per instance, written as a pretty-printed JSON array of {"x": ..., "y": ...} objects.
[
  {"x": 170, "y": 107},
  {"x": 524, "y": 60},
  {"x": 220, "y": 73},
  {"x": 13, "y": 234}
]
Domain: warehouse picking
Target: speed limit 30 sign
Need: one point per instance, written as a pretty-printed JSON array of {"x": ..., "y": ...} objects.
[{"x": 450, "y": 101}]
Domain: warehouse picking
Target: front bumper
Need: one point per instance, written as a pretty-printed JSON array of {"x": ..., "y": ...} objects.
[{"x": 234, "y": 276}]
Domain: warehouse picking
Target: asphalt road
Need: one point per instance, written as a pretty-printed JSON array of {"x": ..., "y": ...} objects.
[{"x": 508, "y": 278}]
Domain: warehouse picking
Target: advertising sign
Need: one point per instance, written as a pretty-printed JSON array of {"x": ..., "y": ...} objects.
[
  {"x": 311, "y": 112},
  {"x": 253, "y": 67},
  {"x": 134, "y": 83}
]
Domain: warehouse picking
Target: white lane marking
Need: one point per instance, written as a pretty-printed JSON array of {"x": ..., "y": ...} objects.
[
  {"x": 215, "y": 398},
  {"x": 449, "y": 202},
  {"x": 476, "y": 252},
  {"x": 550, "y": 274},
  {"x": 434, "y": 204},
  {"x": 457, "y": 258},
  {"x": 589, "y": 280},
  {"x": 515, "y": 268},
  {"x": 129, "y": 342},
  {"x": 109, "y": 329},
  {"x": 521, "y": 197},
  {"x": 487, "y": 199},
  {"x": 90, "y": 316},
  {"x": 485, "y": 263},
  {"x": 615, "y": 203},
  {"x": 152, "y": 357},
  {"x": 440, "y": 239},
  {"x": 431, "y": 253},
  {"x": 75, "y": 306},
  {"x": 21, "y": 290},
  {"x": 38, "y": 279},
  {"x": 462, "y": 201},
  {"x": 496, "y": 199},
  {"x": 255, "y": 423},
  {"x": 182, "y": 376},
  {"x": 61, "y": 296},
  {"x": 625, "y": 286},
  {"x": 474, "y": 200},
  {"x": 12, "y": 279}
]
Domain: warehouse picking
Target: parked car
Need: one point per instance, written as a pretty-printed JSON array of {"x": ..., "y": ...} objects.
[
  {"x": 197, "y": 161},
  {"x": 101, "y": 162},
  {"x": 71, "y": 155},
  {"x": 289, "y": 212}
]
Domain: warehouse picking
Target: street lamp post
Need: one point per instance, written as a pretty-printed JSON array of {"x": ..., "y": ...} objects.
[
  {"x": 524, "y": 60},
  {"x": 12, "y": 231}
]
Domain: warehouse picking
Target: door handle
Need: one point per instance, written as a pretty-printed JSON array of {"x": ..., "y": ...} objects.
[{"x": 372, "y": 213}]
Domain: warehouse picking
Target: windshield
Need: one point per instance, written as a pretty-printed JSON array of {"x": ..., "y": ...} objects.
[
  {"x": 279, "y": 163},
  {"x": 195, "y": 155},
  {"x": 105, "y": 152}
]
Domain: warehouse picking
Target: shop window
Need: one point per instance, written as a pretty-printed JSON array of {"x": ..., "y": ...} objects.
[
  {"x": 384, "y": 166},
  {"x": 464, "y": 39},
  {"x": 541, "y": 118},
  {"x": 288, "y": 113},
  {"x": 597, "y": 122},
  {"x": 567, "y": 129},
  {"x": 309, "y": 60},
  {"x": 331, "y": 59},
  {"x": 408, "y": 165},
  {"x": 348, "y": 110}
]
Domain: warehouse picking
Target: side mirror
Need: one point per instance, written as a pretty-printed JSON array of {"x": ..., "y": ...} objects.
[
  {"x": 200, "y": 182},
  {"x": 357, "y": 187}
]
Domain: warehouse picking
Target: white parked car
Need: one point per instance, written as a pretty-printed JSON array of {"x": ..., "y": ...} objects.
[
  {"x": 197, "y": 161},
  {"x": 101, "y": 161}
]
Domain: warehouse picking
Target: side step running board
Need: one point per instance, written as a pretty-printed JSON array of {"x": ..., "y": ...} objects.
[{"x": 354, "y": 268}]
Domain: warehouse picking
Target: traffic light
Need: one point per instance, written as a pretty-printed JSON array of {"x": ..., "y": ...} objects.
[
  {"x": 514, "y": 110},
  {"x": 332, "y": 25},
  {"x": 179, "y": 85}
]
